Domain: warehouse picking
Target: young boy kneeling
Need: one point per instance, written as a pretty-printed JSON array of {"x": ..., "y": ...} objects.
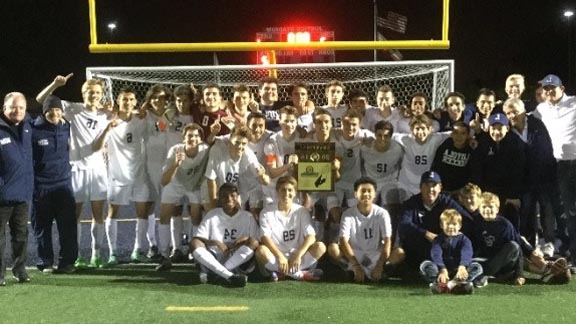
[{"x": 451, "y": 268}]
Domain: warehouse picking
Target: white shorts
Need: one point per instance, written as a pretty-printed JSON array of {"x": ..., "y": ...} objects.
[
  {"x": 367, "y": 261},
  {"x": 89, "y": 184},
  {"x": 139, "y": 191},
  {"x": 391, "y": 193},
  {"x": 176, "y": 194},
  {"x": 342, "y": 191}
]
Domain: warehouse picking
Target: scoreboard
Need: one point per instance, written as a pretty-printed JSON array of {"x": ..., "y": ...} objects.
[{"x": 296, "y": 35}]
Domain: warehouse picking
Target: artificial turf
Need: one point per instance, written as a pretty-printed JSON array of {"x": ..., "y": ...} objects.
[{"x": 138, "y": 294}]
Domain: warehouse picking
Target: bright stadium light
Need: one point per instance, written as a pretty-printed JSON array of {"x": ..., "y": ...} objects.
[
  {"x": 112, "y": 26},
  {"x": 568, "y": 13}
]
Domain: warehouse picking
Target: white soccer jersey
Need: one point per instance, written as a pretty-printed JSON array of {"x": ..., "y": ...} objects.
[
  {"x": 365, "y": 233},
  {"x": 417, "y": 159},
  {"x": 126, "y": 152},
  {"x": 259, "y": 147},
  {"x": 222, "y": 168},
  {"x": 368, "y": 115},
  {"x": 221, "y": 227},
  {"x": 337, "y": 114},
  {"x": 85, "y": 128},
  {"x": 191, "y": 172},
  {"x": 287, "y": 232},
  {"x": 349, "y": 152},
  {"x": 382, "y": 167}
]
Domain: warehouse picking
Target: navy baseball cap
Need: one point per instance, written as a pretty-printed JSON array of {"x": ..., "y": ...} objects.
[
  {"x": 430, "y": 176},
  {"x": 498, "y": 118},
  {"x": 551, "y": 80}
]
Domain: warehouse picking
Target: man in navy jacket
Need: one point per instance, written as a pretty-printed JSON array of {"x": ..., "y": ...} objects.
[
  {"x": 15, "y": 182},
  {"x": 53, "y": 195}
]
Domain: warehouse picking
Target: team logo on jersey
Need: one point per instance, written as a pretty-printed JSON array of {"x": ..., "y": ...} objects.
[
  {"x": 5, "y": 141},
  {"x": 43, "y": 142}
]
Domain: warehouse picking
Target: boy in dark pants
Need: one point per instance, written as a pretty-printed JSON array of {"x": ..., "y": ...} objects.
[
  {"x": 451, "y": 255},
  {"x": 53, "y": 197}
]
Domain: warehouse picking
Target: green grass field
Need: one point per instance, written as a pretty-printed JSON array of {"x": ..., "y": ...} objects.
[{"x": 138, "y": 294}]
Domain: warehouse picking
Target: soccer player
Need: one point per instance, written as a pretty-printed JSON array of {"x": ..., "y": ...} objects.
[
  {"x": 242, "y": 104},
  {"x": 127, "y": 177},
  {"x": 269, "y": 105},
  {"x": 477, "y": 114},
  {"x": 229, "y": 160},
  {"x": 451, "y": 268},
  {"x": 381, "y": 162},
  {"x": 280, "y": 151},
  {"x": 299, "y": 96},
  {"x": 334, "y": 92},
  {"x": 385, "y": 100},
  {"x": 226, "y": 238},
  {"x": 89, "y": 179},
  {"x": 16, "y": 183},
  {"x": 257, "y": 143},
  {"x": 358, "y": 100},
  {"x": 365, "y": 235},
  {"x": 452, "y": 158},
  {"x": 182, "y": 179},
  {"x": 454, "y": 104},
  {"x": 53, "y": 196},
  {"x": 419, "y": 149},
  {"x": 418, "y": 107},
  {"x": 211, "y": 112},
  {"x": 288, "y": 240}
]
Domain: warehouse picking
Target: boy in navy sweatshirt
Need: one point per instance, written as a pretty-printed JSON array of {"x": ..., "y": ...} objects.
[{"x": 451, "y": 268}]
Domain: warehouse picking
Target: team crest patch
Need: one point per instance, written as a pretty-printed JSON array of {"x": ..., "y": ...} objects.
[
  {"x": 5, "y": 141},
  {"x": 43, "y": 142}
]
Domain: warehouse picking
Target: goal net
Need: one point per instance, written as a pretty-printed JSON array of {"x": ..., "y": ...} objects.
[{"x": 435, "y": 78}]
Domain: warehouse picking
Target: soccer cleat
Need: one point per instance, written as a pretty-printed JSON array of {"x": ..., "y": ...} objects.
[
  {"x": 67, "y": 269},
  {"x": 481, "y": 282},
  {"x": 112, "y": 261},
  {"x": 48, "y": 270},
  {"x": 2, "y": 282},
  {"x": 548, "y": 250},
  {"x": 138, "y": 257},
  {"x": 463, "y": 288},
  {"x": 80, "y": 263},
  {"x": 177, "y": 256},
  {"x": 238, "y": 280},
  {"x": 96, "y": 262},
  {"x": 313, "y": 275},
  {"x": 165, "y": 265},
  {"x": 203, "y": 277},
  {"x": 21, "y": 276},
  {"x": 439, "y": 288},
  {"x": 153, "y": 253}
]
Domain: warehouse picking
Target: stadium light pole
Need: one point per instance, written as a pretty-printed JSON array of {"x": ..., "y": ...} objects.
[{"x": 569, "y": 17}]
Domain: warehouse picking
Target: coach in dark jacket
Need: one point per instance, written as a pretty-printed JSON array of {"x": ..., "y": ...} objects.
[
  {"x": 541, "y": 178},
  {"x": 53, "y": 196},
  {"x": 15, "y": 182}
]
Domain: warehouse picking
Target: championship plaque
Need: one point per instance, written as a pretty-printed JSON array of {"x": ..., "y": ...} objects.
[{"x": 314, "y": 171}]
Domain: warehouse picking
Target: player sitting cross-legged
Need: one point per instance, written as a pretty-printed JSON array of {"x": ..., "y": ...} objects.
[
  {"x": 289, "y": 246},
  {"x": 226, "y": 239}
]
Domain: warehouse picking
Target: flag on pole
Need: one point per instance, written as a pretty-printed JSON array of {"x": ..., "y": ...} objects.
[{"x": 393, "y": 21}]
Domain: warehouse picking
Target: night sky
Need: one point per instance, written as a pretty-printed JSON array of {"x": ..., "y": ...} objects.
[{"x": 489, "y": 39}]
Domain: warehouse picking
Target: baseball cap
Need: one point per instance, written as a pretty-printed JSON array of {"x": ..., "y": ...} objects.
[
  {"x": 551, "y": 80},
  {"x": 498, "y": 118},
  {"x": 430, "y": 176}
]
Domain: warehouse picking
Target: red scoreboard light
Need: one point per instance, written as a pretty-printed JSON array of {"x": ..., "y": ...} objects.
[{"x": 296, "y": 35}]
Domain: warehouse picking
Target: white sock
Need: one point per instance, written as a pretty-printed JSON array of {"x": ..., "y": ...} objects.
[
  {"x": 97, "y": 232},
  {"x": 308, "y": 261},
  {"x": 151, "y": 234},
  {"x": 141, "y": 229},
  {"x": 271, "y": 265},
  {"x": 112, "y": 234},
  {"x": 239, "y": 257},
  {"x": 176, "y": 231},
  {"x": 164, "y": 239},
  {"x": 209, "y": 261}
]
